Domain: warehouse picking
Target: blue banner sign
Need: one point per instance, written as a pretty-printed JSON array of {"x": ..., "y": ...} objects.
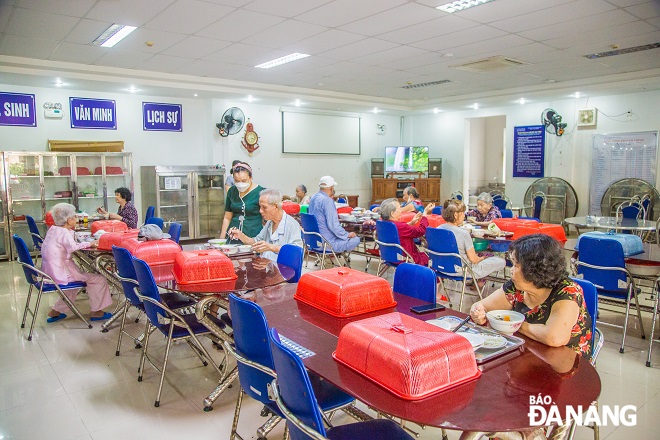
[
  {"x": 529, "y": 151},
  {"x": 93, "y": 113},
  {"x": 17, "y": 109},
  {"x": 161, "y": 117}
]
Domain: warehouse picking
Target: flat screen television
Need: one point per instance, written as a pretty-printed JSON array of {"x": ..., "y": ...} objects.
[{"x": 406, "y": 159}]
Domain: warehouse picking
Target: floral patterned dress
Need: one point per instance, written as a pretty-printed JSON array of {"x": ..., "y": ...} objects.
[
  {"x": 566, "y": 290},
  {"x": 491, "y": 215}
]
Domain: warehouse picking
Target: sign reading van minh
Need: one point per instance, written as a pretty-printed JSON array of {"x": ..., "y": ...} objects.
[
  {"x": 17, "y": 109},
  {"x": 93, "y": 113}
]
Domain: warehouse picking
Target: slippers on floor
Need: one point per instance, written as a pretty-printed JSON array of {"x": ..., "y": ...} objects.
[
  {"x": 52, "y": 319},
  {"x": 105, "y": 316}
]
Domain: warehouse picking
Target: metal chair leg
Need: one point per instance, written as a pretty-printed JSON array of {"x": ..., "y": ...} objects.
[
  {"x": 167, "y": 356},
  {"x": 121, "y": 327},
  {"x": 27, "y": 306},
  {"x": 655, "y": 316},
  {"x": 237, "y": 412}
]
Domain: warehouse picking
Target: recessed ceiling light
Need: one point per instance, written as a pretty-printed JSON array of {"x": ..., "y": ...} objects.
[
  {"x": 195, "y": 95},
  {"x": 576, "y": 95},
  {"x": 133, "y": 89},
  {"x": 436, "y": 110},
  {"x": 376, "y": 110},
  {"x": 297, "y": 103},
  {"x": 475, "y": 106},
  {"x": 250, "y": 98},
  {"x": 459, "y": 5},
  {"x": 59, "y": 83},
  {"x": 113, "y": 35},
  {"x": 522, "y": 101},
  {"x": 282, "y": 60}
]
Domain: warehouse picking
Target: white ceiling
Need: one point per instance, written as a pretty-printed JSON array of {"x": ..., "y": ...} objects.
[{"x": 362, "y": 51}]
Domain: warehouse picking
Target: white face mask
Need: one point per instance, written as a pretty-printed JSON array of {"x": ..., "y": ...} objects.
[{"x": 242, "y": 186}]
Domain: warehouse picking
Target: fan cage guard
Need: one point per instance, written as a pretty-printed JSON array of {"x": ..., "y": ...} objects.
[
  {"x": 561, "y": 200},
  {"x": 231, "y": 115},
  {"x": 623, "y": 190}
]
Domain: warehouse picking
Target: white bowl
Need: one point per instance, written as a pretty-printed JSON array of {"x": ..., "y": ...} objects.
[
  {"x": 82, "y": 236},
  {"x": 229, "y": 248},
  {"x": 505, "y": 321},
  {"x": 479, "y": 233},
  {"x": 217, "y": 241},
  {"x": 244, "y": 248}
]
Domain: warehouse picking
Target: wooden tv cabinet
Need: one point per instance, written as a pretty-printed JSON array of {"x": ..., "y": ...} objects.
[{"x": 384, "y": 188}]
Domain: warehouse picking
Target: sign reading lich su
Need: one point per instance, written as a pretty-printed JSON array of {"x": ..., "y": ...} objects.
[{"x": 93, "y": 113}]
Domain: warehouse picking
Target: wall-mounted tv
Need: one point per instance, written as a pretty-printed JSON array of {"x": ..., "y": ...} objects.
[{"x": 406, "y": 159}]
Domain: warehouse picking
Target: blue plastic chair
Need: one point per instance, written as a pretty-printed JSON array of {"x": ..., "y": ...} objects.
[
  {"x": 171, "y": 324},
  {"x": 506, "y": 213},
  {"x": 297, "y": 400},
  {"x": 155, "y": 221},
  {"x": 175, "y": 232},
  {"x": 500, "y": 203},
  {"x": 530, "y": 218},
  {"x": 445, "y": 260},
  {"x": 375, "y": 205},
  {"x": 437, "y": 210},
  {"x": 391, "y": 252},
  {"x": 256, "y": 369},
  {"x": 601, "y": 261},
  {"x": 538, "y": 200},
  {"x": 150, "y": 213},
  {"x": 292, "y": 256},
  {"x": 37, "y": 239},
  {"x": 590, "y": 294},
  {"x": 457, "y": 195},
  {"x": 44, "y": 283},
  {"x": 415, "y": 281},
  {"x": 315, "y": 243}
]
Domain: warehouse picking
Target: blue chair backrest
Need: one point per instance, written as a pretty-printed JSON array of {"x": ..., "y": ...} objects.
[
  {"x": 25, "y": 258},
  {"x": 437, "y": 210},
  {"x": 125, "y": 269},
  {"x": 500, "y": 203},
  {"x": 155, "y": 221},
  {"x": 295, "y": 389},
  {"x": 310, "y": 224},
  {"x": 292, "y": 256},
  {"x": 506, "y": 213},
  {"x": 375, "y": 205},
  {"x": 342, "y": 200},
  {"x": 591, "y": 301},
  {"x": 459, "y": 196},
  {"x": 150, "y": 213},
  {"x": 538, "y": 205},
  {"x": 175, "y": 231},
  {"x": 530, "y": 218},
  {"x": 607, "y": 253},
  {"x": 646, "y": 202},
  {"x": 387, "y": 233},
  {"x": 416, "y": 281},
  {"x": 631, "y": 211},
  {"x": 251, "y": 340},
  {"x": 32, "y": 226},
  {"x": 149, "y": 289},
  {"x": 443, "y": 241}
]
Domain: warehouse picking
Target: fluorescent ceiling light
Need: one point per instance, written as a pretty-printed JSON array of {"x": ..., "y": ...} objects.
[
  {"x": 459, "y": 5},
  {"x": 282, "y": 60},
  {"x": 113, "y": 35}
]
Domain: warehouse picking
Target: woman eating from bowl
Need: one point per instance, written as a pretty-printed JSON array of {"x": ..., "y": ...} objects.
[
  {"x": 280, "y": 227},
  {"x": 127, "y": 212},
  {"x": 486, "y": 212},
  {"x": 390, "y": 210},
  {"x": 242, "y": 204},
  {"x": 454, "y": 214},
  {"x": 301, "y": 194},
  {"x": 56, "y": 252},
  {"x": 553, "y": 305}
]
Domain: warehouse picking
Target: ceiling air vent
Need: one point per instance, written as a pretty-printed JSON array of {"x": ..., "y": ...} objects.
[
  {"x": 490, "y": 64},
  {"x": 426, "y": 84}
]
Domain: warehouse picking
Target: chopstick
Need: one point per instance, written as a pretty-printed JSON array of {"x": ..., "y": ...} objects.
[{"x": 461, "y": 324}]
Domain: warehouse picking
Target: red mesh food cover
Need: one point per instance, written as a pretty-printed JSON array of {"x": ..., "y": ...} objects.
[
  {"x": 511, "y": 224},
  {"x": 108, "y": 170},
  {"x": 291, "y": 208},
  {"x": 405, "y": 355},
  {"x": 154, "y": 252},
  {"x": 434, "y": 220},
  {"x": 554, "y": 231},
  {"x": 344, "y": 292},
  {"x": 344, "y": 210},
  {"x": 107, "y": 240},
  {"x": 109, "y": 226},
  {"x": 81, "y": 171},
  {"x": 203, "y": 267}
]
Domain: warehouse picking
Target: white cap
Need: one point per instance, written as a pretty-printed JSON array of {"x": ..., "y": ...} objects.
[{"x": 327, "y": 182}]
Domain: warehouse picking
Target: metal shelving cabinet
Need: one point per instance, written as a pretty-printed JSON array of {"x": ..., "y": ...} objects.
[
  {"x": 192, "y": 196},
  {"x": 35, "y": 182}
]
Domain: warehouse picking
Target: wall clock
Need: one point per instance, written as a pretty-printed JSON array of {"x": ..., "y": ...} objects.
[{"x": 587, "y": 117}]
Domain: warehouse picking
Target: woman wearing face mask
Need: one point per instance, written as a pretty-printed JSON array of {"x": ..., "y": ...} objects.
[
  {"x": 411, "y": 200},
  {"x": 242, "y": 204}
]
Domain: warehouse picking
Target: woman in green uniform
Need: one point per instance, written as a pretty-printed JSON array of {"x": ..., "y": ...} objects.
[{"x": 242, "y": 204}]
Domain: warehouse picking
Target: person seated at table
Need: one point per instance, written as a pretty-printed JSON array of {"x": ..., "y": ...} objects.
[
  {"x": 411, "y": 201},
  {"x": 486, "y": 212},
  {"x": 553, "y": 305},
  {"x": 301, "y": 194},
  {"x": 280, "y": 227},
  {"x": 322, "y": 206},
  {"x": 454, "y": 214},
  {"x": 127, "y": 212},
  {"x": 56, "y": 251},
  {"x": 390, "y": 210}
]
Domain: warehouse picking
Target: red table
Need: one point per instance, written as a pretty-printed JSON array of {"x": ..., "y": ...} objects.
[{"x": 498, "y": 401}]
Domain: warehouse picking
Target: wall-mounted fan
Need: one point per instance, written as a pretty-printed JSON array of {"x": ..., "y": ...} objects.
[
  {"x": 232, "y": 121},
  {"x": 552, "y": 121}
]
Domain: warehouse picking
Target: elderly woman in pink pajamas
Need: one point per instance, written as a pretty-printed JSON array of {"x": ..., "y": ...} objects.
[{"x": 56, "y": 251}]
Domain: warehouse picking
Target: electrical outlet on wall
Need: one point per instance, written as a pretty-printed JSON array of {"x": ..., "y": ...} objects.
[{"x": 380, "y": 128}]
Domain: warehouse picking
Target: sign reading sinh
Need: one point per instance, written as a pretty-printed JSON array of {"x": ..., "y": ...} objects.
[
  {"x": 93, "y": 113},
  {"x": 17, "y": 109}
]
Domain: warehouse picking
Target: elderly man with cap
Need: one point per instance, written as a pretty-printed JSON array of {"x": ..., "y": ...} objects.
[{"x": 322, "y": 206}]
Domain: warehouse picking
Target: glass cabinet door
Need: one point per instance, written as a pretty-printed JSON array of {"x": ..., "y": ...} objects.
[
  {"x": 58, "y": 182},
  {"x": 89, "y": 183},
  {"x": 24, "y": 193},
  {"x": 210, "y": 204},
  {"x": 117, "y": 174},
  {"x": 173, "y": 201}
]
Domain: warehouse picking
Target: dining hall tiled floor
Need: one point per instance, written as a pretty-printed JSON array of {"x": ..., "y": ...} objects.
[{"x": 67, "y": 382}]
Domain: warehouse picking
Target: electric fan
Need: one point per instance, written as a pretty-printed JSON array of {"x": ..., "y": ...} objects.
[
  {"x": 552, "y": 121},
  {"x": 232, "y": 121}
]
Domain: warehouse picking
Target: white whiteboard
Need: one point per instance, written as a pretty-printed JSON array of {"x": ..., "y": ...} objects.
[
  {"x": 320, "y": 133},
  {"x": 620, "y": 156}
]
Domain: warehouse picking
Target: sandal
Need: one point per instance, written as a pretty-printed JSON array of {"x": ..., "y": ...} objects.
[{"x": 52, "y": 319}]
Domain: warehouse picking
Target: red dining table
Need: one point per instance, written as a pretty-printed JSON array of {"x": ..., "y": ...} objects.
[{"x": 498, "y": 401}]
